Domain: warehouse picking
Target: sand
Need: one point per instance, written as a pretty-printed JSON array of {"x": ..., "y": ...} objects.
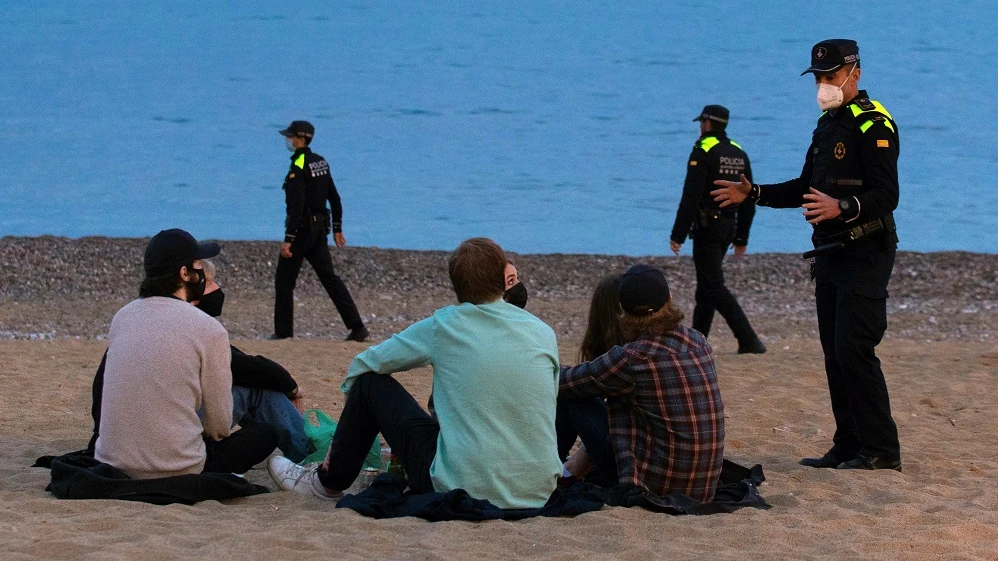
[{"x": 942, "y": 376}]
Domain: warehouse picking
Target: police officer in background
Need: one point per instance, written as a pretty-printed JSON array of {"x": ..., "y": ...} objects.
[
  {"x": 307, "y": 187},
  {"x": 714, "y": 229},
  {"x": 848, "y": 190}
]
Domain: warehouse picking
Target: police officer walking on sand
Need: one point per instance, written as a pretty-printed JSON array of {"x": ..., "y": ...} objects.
[
  {"x": 307, "y": 187},
  {"x": 715, "y": 156},
  {"x": 848, "y": 190}
]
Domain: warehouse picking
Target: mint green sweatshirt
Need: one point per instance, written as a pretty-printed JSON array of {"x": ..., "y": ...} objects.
[{"x": 495, "y": 389}]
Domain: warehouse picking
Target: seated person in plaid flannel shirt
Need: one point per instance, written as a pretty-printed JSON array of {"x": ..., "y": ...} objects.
[{"x": 664, "y": 416}]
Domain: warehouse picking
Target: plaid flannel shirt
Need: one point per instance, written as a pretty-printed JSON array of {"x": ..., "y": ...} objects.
[{"x": 665, "y": 411}]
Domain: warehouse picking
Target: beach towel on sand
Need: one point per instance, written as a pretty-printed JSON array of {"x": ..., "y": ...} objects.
[
  {"x": 386, "y": 498},
  {"x": 78, "y": 476}
]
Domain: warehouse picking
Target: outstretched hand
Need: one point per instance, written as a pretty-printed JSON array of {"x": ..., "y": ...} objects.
[{"x": 731, "y": 192}]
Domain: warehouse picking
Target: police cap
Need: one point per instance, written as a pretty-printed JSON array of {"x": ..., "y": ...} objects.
[
  {"x": 831, "y": 54},
  {"x": 713, "y": 113},
  {"x": 301, "y": 129}
]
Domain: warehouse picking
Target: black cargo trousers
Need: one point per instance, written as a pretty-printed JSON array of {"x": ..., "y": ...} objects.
[
  {"x": 314, "y": 247},
  {"x": 710, "y": 244},
  {"x": 851, "y": 300}
]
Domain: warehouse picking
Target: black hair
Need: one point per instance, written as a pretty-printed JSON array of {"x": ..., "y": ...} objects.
[{"x": 162, "y": 285}]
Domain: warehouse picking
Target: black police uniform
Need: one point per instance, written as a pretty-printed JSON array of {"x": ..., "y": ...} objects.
[
  {"x": 307, "y": 187},
  {"x": 852, "y": 157},
  {"x": 714, "y": 229}
]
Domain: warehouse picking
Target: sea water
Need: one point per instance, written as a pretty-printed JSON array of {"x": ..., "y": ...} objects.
[{"x": 548, "y": 126}]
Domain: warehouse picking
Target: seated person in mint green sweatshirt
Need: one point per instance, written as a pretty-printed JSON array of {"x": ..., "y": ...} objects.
[
  {"x": 166, "y": 404},
  {"x": 495, "y": 380}
]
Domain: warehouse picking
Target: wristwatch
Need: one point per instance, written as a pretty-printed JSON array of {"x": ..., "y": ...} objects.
[{"x": 847, "y": 208}]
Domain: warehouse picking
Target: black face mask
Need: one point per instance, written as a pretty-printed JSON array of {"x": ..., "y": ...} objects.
[
  {"x": 211, "y": 303},
  {"x": 516, "y": 295},
  {"x": 195, "y": 289}
]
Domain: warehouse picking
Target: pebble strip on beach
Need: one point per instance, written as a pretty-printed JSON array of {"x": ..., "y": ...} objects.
[{"x": 53, "y": 287}]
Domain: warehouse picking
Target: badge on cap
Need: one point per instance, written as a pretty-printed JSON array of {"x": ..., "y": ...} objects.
[{"x": 820, "y": 53}]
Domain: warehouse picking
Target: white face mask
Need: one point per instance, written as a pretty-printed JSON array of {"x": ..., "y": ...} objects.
[
  {"x": 829, "y": 96},
  {"x": 291, "y": 147}
]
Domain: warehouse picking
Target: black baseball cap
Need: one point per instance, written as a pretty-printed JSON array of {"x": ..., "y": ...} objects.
[
  {"x": 170, "y": 250},
  {"x": 831, "y": 54},
  {"x": 301, "y": 129},
  {"x": 713, "y": 113},
  {"x": 643, "y": 290}
]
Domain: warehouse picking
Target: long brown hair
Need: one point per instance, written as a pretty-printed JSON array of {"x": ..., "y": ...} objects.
[
  {"x": 603, "y": 329},
  {"x": 661, "y": 322}
]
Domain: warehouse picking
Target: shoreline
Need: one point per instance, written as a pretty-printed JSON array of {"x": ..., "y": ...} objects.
[
  {"x": 98, "y": 237},
  {"x": 56, "y": 287}
]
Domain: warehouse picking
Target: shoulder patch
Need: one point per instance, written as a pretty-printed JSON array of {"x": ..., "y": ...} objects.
[
  {"x": 883, "y": 143},
  {"x": 291, "y": 175},
  {"x": 865, "y": 104},
  {"x": 693, "y": 162}
]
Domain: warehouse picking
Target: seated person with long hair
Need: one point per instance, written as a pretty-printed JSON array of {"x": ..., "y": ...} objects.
[
  {"x": 589, "y": 414},
  {"x": 664, "y": 414}
]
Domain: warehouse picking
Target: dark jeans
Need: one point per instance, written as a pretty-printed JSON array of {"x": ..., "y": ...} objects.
[
  {"x": 851, "y": 325},
  {"x": 241, "y": 450},
  {"x": 587, "y": 419},
  {"x": 314, "y": 248},
  {"x": 377, "y": 403},
  {"x": 709, "y": 247}
]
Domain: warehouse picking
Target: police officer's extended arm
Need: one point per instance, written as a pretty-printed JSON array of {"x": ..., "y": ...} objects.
[
  {"x": 336, "y": 209},
  {"x": 743, "y": 217},
  {"x": 788, "y": 194},
  {"x": 693, "y": 188}
]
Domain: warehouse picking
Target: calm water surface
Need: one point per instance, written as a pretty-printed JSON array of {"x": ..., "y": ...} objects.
[{"x": 549, "y": 126}]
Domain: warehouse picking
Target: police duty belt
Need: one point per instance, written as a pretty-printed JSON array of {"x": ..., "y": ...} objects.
[{"x": 840, "y": 240}]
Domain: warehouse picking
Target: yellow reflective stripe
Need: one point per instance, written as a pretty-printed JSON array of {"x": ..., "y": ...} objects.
[
  {"x": 877, "y": 107},
  {"x": 736, "y": 145},
  {"x": 708, "y": 143},
  {"x": 300, "y": 161},
  {"x": 866, "y": 126}
]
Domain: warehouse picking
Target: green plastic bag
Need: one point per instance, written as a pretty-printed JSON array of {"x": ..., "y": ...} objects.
[{"x": 320, "y": 432}]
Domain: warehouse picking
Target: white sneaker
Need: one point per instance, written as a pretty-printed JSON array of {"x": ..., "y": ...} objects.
[{"x": 298, "y": 478}]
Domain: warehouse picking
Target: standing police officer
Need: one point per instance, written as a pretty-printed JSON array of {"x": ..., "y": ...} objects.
[
  {"x": 714, "y": 229},
  {"x": 848, "y": 189},
  {"x": 307, "y": 187}
]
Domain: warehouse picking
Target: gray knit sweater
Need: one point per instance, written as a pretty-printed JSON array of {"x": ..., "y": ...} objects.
[{"x": 165, "y": 361}]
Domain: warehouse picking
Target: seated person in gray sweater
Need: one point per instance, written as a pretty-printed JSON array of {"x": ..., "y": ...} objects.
[
  {"x": 167, "y": 398},
  {"x": 263, "y": 391}
]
